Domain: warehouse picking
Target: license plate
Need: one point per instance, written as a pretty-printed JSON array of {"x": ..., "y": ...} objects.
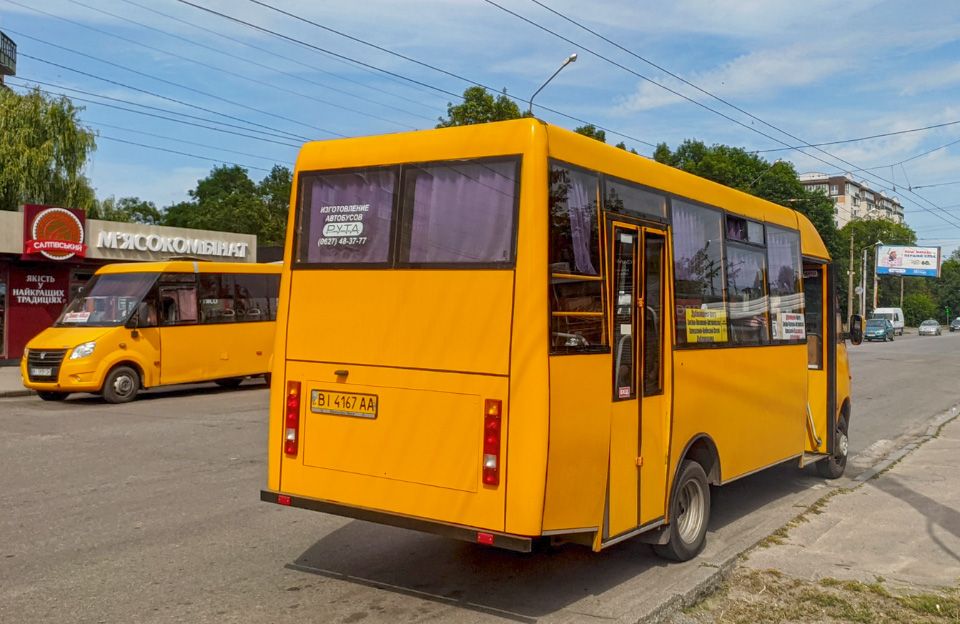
[
  {"x": 343, "y": 403},
  {"x": 41, "y": 372}
]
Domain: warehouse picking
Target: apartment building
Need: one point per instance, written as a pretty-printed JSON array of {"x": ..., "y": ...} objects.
[{"x": 853, "y": 199}]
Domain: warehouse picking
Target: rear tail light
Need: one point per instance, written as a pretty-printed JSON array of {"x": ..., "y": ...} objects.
[
  {"x": 491, "y": 441},
  {"x": 291, "y": 428}
]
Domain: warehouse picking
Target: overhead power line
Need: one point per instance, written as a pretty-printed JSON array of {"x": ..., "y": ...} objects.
[
  {"x": 579, "y": 45},
  {"x": 177, "y": 119},
  {"x": 290, "y": 59},
  {"x": 864, "y": 138},
  {"x": 397, "y": 75},
  {"x": 227, "y": 72},
  {"x": 179, "y": 86},
  {"x": 173, "y": 151}
]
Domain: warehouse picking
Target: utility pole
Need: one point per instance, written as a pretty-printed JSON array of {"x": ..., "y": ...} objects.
[
  {"x": 876, "y": 254},
  {"x": 901, "y": 291},
  {"x": 850, "y": 278}
]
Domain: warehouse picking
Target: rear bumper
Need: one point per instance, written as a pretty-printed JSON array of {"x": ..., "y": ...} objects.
[{"x": 517, "y": 543}]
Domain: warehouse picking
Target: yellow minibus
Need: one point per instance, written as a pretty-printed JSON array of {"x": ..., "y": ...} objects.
[
  {"x": 147, "y": 324},
  {"x": 510, "y": 332}
]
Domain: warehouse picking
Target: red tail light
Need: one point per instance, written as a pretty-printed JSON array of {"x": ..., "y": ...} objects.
[
  {"x": 491, "y": 442},
  {"x": 291, "y": 429}
]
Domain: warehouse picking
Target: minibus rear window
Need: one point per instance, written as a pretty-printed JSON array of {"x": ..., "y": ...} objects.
[{"x": 446, "y": 214}]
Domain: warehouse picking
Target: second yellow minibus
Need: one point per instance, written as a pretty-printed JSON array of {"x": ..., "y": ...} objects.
[
  {"x": 510, "y": 332},
  {"x": 147, "y": 324}
]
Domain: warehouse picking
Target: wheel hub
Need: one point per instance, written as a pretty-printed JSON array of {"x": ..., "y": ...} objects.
[{"x": 123, "y": 385}]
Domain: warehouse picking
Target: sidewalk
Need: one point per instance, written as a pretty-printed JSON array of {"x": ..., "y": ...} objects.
[
  {"x": 893, "y": 532},
  {"x": 11, "y": 384}
]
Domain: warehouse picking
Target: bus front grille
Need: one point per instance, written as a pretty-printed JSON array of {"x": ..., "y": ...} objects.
[{"x": 44, "y": 364}]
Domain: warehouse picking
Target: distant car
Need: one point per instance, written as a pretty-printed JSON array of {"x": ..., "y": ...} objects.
[
  {"x": 878, "y": 329},
  {"x": 929, "y": 327},
  {"x": 955, "y": 324}
]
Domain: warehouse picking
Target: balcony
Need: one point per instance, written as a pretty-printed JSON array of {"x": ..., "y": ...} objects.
[{"x": 8, "y": 56}]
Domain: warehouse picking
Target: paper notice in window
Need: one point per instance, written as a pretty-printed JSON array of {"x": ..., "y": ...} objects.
[
  {"x": 790, "y": 326},
  {"x": 706, "y": 325}
]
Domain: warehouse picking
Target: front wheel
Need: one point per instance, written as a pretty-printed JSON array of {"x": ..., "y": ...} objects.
[
  {"x": 689, "y": 514},
  {"x": 121, "y": 385},
  {"x": 48, "y": 395},
  {"x": 832, "y": 467}
]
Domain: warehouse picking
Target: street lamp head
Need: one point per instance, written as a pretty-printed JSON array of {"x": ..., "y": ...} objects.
[{"x": 570, "y": 59}]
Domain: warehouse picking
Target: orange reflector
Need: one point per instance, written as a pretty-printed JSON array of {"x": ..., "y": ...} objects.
[
  {"x": 485, "y": 538},
  {"x": 283, "y": 499}
]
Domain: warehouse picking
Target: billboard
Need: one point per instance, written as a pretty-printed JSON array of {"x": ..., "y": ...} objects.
[{"x": 909, "y": 261}]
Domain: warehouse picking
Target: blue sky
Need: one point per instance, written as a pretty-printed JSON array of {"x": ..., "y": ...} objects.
[{"x": 822, "y": 71}]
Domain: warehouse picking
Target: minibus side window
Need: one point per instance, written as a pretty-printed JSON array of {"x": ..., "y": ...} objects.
[
  {"x": 216, "y": 298},
  {"x": 784, "y": 279},
  {"x": 459, "y": 212},
  {"x": 698, "y": 274},
  {"x": 576, "y": 284},
  {"x": 178, "y": 305},
  {"x": 256, "y": 297},
  {"x": 747, "y": 293}
]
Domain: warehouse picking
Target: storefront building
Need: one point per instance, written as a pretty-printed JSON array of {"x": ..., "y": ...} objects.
[{"x": 48, "y": 253}]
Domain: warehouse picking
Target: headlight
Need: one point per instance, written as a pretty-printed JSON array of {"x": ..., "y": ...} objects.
[{"x": 82, "y": 351}]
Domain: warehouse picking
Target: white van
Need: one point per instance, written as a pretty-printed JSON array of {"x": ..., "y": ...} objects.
[{"x": 894, "y": 315}]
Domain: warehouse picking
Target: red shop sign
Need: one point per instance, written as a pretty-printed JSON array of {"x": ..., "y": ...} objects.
[{"x": 53, "y": 232}]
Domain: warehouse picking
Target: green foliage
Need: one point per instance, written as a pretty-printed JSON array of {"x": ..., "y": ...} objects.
[
  {"x": 126, "y": 209},
  {"x": 479, "y": 106},
  {"x": 919, "y": 307},
  {"x": 591, "y": 131},
  {"x": 737, "y": 168},
  {"x": 43, "y": 150},
  {"x": 228, "y": 200},
  {"x": 865, "y": 232}
]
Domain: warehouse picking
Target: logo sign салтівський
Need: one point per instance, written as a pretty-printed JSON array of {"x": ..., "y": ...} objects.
[{"x": 55, "y": 233}]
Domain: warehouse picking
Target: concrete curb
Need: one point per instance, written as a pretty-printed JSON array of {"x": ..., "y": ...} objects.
[
  {"x": 15, "y": 393},
  {"x": 718, "y": 572}
]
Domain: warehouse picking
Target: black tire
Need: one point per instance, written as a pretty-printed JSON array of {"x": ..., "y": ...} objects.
[
  {"x": 689, "y": 514},
  {"x": 121, "y": 385},
  {"x": 49, "y": 395},
  {"x": 892, "y": 335},
  {"x": 832, "y": 467},
  {"x": 231, "y": 382}
]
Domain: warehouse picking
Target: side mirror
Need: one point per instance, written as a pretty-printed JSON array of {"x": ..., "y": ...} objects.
[{"x": 856, "y": 329}]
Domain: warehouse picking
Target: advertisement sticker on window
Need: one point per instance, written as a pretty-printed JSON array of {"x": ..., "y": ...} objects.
[
  {"x": 706, "y": 325},
  {"x": 789, "y": 326}
]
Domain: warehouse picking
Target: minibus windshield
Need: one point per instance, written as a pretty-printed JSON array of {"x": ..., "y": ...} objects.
[{"x": 107, "y": 300}]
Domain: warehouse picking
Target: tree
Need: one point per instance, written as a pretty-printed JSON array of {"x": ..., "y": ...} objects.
[
  {"x": 591, "y": 131},
  {"x": 919, "y": 307},
  {"x": 274, "y": 191},
  {"x": 228, "y": 200},
  {"x": 479, "y": 106},
  {"x": 43, "y": 150},
  {"x": 866, "y": 232},
  {"x": 126, "y": 209}
]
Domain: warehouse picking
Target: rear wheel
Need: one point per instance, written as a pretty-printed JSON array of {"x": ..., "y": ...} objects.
[
  {"x": 121, "y": 385},
  {"x": 48, "y": 395},
  {"x": 832, "y": 467},
  {"x": 231, "y": 382},
  {"x": 689, "y": 514}
]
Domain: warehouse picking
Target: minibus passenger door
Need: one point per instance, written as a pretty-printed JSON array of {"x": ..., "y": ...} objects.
[
  {"x": 145, "y": 338},
  {"x": 654, "y": 422},
  {"x": 184, "y": 351},
  {"x": 625, "y": 301},
  {"x": 815, "y": 315}
]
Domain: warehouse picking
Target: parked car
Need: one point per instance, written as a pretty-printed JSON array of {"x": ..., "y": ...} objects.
[
  {"x": 929, "y": 327},
  {"x": 955, "y": 324},
  {"x": 878, "y": 329},
  {"x": 894, "y": 315}
]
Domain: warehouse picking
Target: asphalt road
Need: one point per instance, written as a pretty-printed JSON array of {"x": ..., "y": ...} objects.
[{"x": 149, "y": 512}]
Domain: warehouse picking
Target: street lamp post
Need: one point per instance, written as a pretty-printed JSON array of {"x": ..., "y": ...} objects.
[
  {"x": 863, "y": 281},
  {"x": 570, "y": 59}
]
